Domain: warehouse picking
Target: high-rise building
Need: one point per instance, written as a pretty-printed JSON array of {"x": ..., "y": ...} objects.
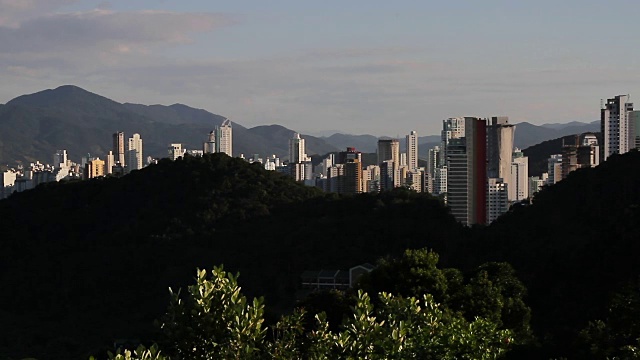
[
  {"x": 440, "y": 181},
  {"x": 476, "y": 135},
  {"x": 616, "y": 127},
  {"x": 389, "y": 149},
  {"x": 109, "y": 162},
  {"x": 415, "y": 179},
  {"x": 412, "y": 150},
  {"x": 209, "y": 146},
  {"x": 583, "y": 153},
  {"x": 452, "y": 128},
  {"x": 60, "y": 159},
  {"x": 536, "y": 183},
  {"x": 457, "y": 179},
  {"x": 371, "y": 178},
  {"x": 554, "y": 169},
  {"x": 175, "y": 151},
  {"x": 350, "y": 154},
  {"x": 519, "y": 184},
  {"x": 434, "y": 160},
  {"x": 134, "y": 153},
  {"x": 334, "y": 178},
  {"x": 634, "y": 121},
  {"x": 118, "y": 147},
  {"x": 497, "y": 199},
  {"x": 352, "y": 179},
  {"x": 467, "y": 173},
  {"x": 389, "y": 162},
  {"x": 500, "y": 135},
  {"x": 224, "y": 138},
  {"x": 94, "y": 168},
  {"x": 387, "y": 175},
  {"x": 297, "y": 151}
]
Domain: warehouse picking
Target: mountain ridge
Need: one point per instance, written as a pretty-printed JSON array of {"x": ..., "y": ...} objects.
[{"x": 34, "y": 126}]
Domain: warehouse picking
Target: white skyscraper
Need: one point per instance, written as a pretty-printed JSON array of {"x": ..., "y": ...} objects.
[
  {"x": 175, "y": 151},
  {"x": 297, "y": 150},
  {"x": 616, "y": 127},
  {"x": 109, "y": 161},
  {"x": 412, "y": 150},
  {"x": 224, "y": 138},
  {"x": 519, "y": 184},
  {"x": 134, "y": 153}
]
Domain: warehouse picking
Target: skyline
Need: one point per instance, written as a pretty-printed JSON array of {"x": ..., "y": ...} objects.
[{"x": 318, "y": 67}]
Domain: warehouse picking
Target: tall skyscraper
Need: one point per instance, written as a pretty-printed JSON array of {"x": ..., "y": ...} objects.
[
  {"x": 352, "y": 179},
  {"x": 467, "y": 173},
  {"x": 457, "y": 179},
  {"x": 108, "y": 163},
  {"x": 519, "y": 184},
  {"x": 224, "y": 138},
  {"x": 412, "y": 150},
  {"x": 60, "y": 159},
  {"x": 387, "y": 175},
  {"x": 500, "y": 136},
  {"x": 118, "y": 147},
  {"x": 134, "y": 152},
  {"x": 389, "y": 149},
  {"x": 635, "y": 124},
  {"x": 452, "y": 128},
  {"x": 440, "y": 181},
  {"x": 476, "y": 135},
  {"x": 617, "y": 130},
  {"x": 389, "y": 162},
  {"x": 297, "y": 151},
  {"x": 209, "y": 146}
]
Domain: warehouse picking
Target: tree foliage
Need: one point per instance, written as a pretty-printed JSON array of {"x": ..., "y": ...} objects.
[
  {"x": 215, "y": 321},
  {"x": 492, "y": 291}
]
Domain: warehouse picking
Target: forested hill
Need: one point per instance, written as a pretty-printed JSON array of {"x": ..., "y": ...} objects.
[
  {"x": 576, "y": 249},
  {"x": 90, "y": 262},
  {"x": 83, "y": 264}
]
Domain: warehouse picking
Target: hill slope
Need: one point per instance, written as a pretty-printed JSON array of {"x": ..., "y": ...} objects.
[{"x": 92, "y": 261}]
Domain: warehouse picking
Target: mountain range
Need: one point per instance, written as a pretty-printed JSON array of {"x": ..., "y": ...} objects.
[{"x": 34, "y": 126}]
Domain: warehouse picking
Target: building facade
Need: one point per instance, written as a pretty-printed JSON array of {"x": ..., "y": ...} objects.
[{"x": 616, "y": 128}]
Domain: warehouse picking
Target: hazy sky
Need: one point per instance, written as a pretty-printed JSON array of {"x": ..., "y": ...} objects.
[{"x": 377, "y": 67}]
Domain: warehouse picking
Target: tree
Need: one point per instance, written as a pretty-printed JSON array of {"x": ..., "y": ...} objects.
[
  {"x": 215, "y": 321},
  {"x": 493, "y": 291}
]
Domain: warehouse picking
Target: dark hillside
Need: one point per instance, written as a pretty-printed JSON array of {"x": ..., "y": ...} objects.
[
  {"x": 574, "y": 248},
  {"x": 90, "y": 262}
]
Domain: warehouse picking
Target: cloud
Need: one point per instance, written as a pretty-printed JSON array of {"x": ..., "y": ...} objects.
[
  {"x": 13, "y": 12},
  {"x": 106, "y": 29}
]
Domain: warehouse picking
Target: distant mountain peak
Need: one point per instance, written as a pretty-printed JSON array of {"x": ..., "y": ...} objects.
[{"x": 71, "y": 94}]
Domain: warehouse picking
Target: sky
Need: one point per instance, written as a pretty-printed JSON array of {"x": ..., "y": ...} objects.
[{"x": 358, "y": 67}]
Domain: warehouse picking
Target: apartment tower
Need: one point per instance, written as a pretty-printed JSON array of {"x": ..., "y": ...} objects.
[
  {"x": 412, "y": 150},
  {"x": 134, "y": 152},
  {"x": 118, "y": 147},
  {"x": 616, "y": 127},
  {"x": 224, "y": 138}
]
